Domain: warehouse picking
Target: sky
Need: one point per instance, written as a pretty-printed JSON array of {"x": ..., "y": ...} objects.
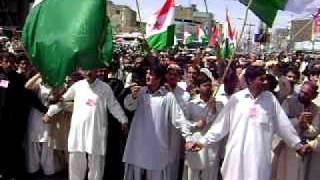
[{"x": 217, "y": 7}]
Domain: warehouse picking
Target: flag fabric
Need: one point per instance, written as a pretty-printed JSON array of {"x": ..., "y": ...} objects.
[
  {"x": 201, "y": 36},
  {"x": 60, "y": 36},
  {"x": 175, "y": 43},
  {"x": 226, "y": 50},
  {"x": 267, "y": 10},
  {"x": 215, "y": 36},
  {"x": 187, "y": 38},
  {"x": 229, "y": 39},
  {"x": 316, "y": 26},
  {"x": 160, "y": 29}
]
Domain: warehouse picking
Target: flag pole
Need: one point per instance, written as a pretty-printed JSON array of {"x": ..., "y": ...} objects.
[
  {"x": 302, "y": 29},
  {"x": 237, "y": 46},
  {"x": 207, "y": 11},
  {"x": 139, "y": 16},
  {"x": 144, "y": 43},
  {"x": 206, "y": 5}
]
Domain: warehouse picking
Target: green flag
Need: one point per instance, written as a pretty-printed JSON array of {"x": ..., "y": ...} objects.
[
  {"x": 267, "y": 10},
  {"x": 61, "y": 35},
  {"x": 187, "y": 38},
  {"x": 160, "y": 29},
  {"x": 226, "y": 50}
]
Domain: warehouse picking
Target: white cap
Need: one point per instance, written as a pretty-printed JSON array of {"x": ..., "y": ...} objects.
[{"x": 207, "y": 72}]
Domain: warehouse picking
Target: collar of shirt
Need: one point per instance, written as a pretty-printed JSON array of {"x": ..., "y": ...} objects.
[
  {"x": 178, "y": 90},
  {"x": 94, "y": 84},
  {"x": 247, "y": 94},
  {"x": 160, "y": 92},
  {"x": 198, "y": 100}
]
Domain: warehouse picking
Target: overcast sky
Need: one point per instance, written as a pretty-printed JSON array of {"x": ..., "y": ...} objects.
[{"x": 217, "y": 7}]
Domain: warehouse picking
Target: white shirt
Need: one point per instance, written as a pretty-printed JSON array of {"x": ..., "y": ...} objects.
[
  {"x": 89, "y": 123},
  {"x": 182, "y": 97},
  {"x": 251, "y": 124},
  {"x": 197, "y": 110},
  {"x": 37, "y": 130},
  {"x": 150, "y": 142},
  {"x": 222, "y": 95}
]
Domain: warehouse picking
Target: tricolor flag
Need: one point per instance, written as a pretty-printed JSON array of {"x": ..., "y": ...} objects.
[
  {"x": 229, "y": 39},
  {"x": 61, "y": 35},
  {"x": 267, "y": 10},
  {"x": 201, "y": 36},
  {"x": 160, "y": 30},
  {"x": 215, "y": 36}
]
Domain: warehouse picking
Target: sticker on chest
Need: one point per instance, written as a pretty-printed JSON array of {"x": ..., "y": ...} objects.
[
  {"x": 91, "y": 102},
  {"x": 253, "y": 112}
]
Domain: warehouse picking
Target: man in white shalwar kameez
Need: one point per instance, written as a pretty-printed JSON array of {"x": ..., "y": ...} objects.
[
  {"x": 304, "y": 116},
  {"x": 201, "y": 112},
  {"x": 89, "y": 123},
  {"x": 38, "y": 153},
  {"x": 149, "y": 152},
  {"x": 250, "y": 119}
]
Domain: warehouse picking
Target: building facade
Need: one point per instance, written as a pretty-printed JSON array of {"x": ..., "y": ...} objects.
[
  {"x": 301, "y": 30},
  {"x": 280, "y": 39},
  {"x": 123, "y": 18},
  {"x": 187, "y": 18}
]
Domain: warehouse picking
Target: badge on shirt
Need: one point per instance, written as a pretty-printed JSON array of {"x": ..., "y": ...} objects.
[
  {"x": 4, "y": 83},
  {"x": 91, "y": 102},
  {"x": 253, "y": 112}
]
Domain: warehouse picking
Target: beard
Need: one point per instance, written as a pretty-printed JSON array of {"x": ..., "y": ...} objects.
[{"x": 206, "y": 93}]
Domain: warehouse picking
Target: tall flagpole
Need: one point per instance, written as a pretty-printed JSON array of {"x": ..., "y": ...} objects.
[
  {"x": 144, "y": 43},
  {"x": 206, "y": 5},
  {"x": 237, "y": 46},
  {"x": 139, "y": 15},
  {"x": 207, "y": 11}
]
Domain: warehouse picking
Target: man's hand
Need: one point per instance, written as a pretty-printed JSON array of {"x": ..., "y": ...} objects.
[
  {"x": 212, "y": 105},
  {"x": 305, "y": 150},
  {"x": 135, "y": 89},
  {"x": 46, "y": 119},
  {"x": 304, "y": 119},
  {"x": 200, "y": 124},
  {"x": 125, "y": 128},
  {"x": 193, "y": 146},
  {"x": 189, "y": 145}
]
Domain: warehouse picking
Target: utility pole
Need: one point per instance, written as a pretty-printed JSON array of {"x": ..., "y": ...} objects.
[{"x": 249, "y": 37}]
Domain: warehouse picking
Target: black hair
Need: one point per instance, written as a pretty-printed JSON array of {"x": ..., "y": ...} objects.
[
  {"x": 313, "y": 71},
  {"x": 272, "y": 81},
  {"x": 253, "y": 72},
  {"x": 294, "y": 70},
  {"x": 158, "y": 70},
  {"x": 231, "y": 79}
]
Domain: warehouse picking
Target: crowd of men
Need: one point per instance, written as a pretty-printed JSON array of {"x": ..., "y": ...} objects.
[{"x": 171, "y": 115}]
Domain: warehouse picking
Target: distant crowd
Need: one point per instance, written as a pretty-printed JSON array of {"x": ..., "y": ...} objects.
[{"x": 171, "y": 115}]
